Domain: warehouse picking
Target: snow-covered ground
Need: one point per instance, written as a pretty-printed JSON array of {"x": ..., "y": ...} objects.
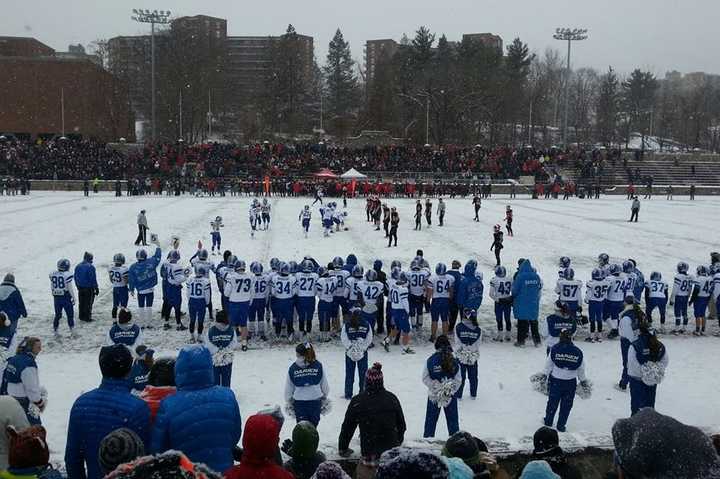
[{"x": 44, "y": 227}]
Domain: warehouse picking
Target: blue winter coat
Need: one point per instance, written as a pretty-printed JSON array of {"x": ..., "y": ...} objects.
[
  {"x": 200, "y": 419},
  {"x": 143, "y": 275},
  {"x": 469, "y": 292},
  {"x": 94, "y": 415},
  {"x": 526, "y": 290},
  {"x": 11, "y": 302},
  {"x": 85, "y": 275},
  {"x": 350, "y": 262}
]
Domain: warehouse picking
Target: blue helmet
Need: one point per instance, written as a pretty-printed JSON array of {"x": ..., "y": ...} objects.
[
  {"x": 395, "y": 273},
  {"x": 370, "y": 275},
  {"x": 597, "y": 274},
  {"x": 702, "y": 270},
  {"x": 357, "y": 271},
  {"x": 682, "y": 267},
  {"x": 655, "y": 276},
  {"x": 274, "y": 263},
  {"x": 402, "y": 278},
  {"x": 603, "y": 259},
  {"x": 203, "y": 255},
  {"x": 338, "y": 262},
  {"x": 201, "y": 271},
  {"x": 174, "y": 255},
  {"x": 500, "y": 271},
  {"x": 472, "y": 263},
  {"x": 256, "y": 267},
  {"x": 307, "y": 266},
  {"x": 63, "y": 265},
  {"x": 569, "y": 273},
  {"x": 141, "y": 255},
  {"x": 564, "y": 262},
  {"x": 284, "y": 268},
  {"x": 293, "y": 266},
  {"x": 240, "y": 265},
  {"x": 628, "y": 267},
  {"x": 615, "y": 269},
  {"x": 322, "y": 271},
  {"x": 119, "y": 259},
  {"x": 395, "y": 264},
  {"x": 440, "y": 268}
]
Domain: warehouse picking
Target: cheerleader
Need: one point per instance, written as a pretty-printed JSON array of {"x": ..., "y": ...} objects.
[
  {"x": 306, "y": 387},
  {"x": 356, "y": 337},
  {"x": 8, "y": 341},
  {"x": 22, "y": 382},
  {"x": 442, "y": 376},
  {"x": 468, "y": 337},
  {"x": 564, "y": 366},
  {"x": 630, "y": 320},
  {"x": 220, "y": 339},
  {"x": 647, "y": 361}
]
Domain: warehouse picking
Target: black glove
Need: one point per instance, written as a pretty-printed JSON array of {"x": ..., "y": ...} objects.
[
  {"x": 96, "y": 291},
  {"x": 286, "y": 446},
  {"x": 346, "y": 453},
  {"x": 237, "y": 453}
]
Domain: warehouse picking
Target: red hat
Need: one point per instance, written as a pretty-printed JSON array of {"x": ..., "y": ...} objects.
[
  {"x": 260, "y": 439},
  {"x": 27, "y": 448}
]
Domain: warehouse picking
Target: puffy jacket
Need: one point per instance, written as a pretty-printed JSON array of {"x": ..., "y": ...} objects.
[
  {"x": 304, "y": 455},
  {"x": 85, "y": 275},
  {"x": 350, "y": 263},
  {"x": 260, "y": 447},
  {"x": 11, "y": 302},
  {"x": 45, "y": 472},
  {"x": 381, "y": 420},
  {"x": 94, "y": 415},
  {"x": 526, "y": 290},
  {"x": 143, "y": 274},
  {"x": 11, "y": 414},
  {"x": 200, "y": 419},
  {"x": 153, "y": 395},
  {"x": 469, "y": 292}
]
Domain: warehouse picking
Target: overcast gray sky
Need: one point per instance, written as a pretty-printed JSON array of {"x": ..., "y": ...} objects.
[{"x": 658, "y": 35}]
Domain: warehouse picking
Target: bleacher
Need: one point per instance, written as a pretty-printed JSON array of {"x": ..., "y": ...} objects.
[{"x": 665, "y": 169}]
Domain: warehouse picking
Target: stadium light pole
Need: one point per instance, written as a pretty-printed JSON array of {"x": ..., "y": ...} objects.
[
  {"x": 161, "y": 17},
  {"x": 569, "y": 35}
]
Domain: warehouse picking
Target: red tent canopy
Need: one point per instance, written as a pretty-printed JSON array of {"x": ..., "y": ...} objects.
[{"x": 325, "y": 173}]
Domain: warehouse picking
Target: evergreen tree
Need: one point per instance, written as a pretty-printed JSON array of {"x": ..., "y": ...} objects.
[
  {"x": 341, "y": 85},
  {"x": 607, "y": 105},
  {"x": 638, "y": 99}
]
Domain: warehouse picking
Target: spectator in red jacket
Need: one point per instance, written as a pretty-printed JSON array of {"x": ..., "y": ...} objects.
[{"x": 260, "y": 448}]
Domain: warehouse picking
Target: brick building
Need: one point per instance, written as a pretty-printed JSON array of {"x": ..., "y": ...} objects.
[{"x": 34, "y": 84}]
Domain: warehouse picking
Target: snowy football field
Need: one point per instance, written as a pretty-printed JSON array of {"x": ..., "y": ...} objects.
[{"x": 44, "y": 227}]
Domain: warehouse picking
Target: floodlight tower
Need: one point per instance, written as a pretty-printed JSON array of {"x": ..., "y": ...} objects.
[{"x": 569, "y": 35}]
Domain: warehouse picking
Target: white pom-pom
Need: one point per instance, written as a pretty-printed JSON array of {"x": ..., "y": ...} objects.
[
  {"x": 325, "y": 406},
  {"x": 653, "y": 373},
  {"x": 584, "y": 389},
  {"x": 355, "y": 352},
  {"x": 443, "y": 391},
  {"x": 467, "y": 356},
  {"x": 539, "y": 383}
]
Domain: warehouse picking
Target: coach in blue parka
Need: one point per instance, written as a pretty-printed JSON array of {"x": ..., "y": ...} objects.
[
  {"x": 526, "y": 290},
  {"x": 201, "y": 420}
]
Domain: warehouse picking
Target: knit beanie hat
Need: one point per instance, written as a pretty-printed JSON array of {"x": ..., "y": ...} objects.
[
  {"x": 305, "y": 440},
  {"x": 275, "y": 412},
  {"x": 27, "y": 448},
  {"x": 538, "y": 470},
  {"x": 168, "y": 465},
  {"x": 405, "y": 462},
  {"x": 329, "y": 470},
  {"x": 545, "y": 439},
  {"x": 115, "y": 361},
  {"x": 463, "y": 446},
  {"x": 374, "y": 380},
  {"x": 162, "y": 372},
  {"x": 9, "y": 278},
  {"x": 119, "y": 447}
]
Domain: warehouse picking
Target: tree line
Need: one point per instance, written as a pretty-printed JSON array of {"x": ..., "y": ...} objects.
[{"x": 437, "y": 91}]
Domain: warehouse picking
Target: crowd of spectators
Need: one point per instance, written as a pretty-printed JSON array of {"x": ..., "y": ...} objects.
[
  {"x": 183, "y": 426},
  {"x": 65, "y": 159}
]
